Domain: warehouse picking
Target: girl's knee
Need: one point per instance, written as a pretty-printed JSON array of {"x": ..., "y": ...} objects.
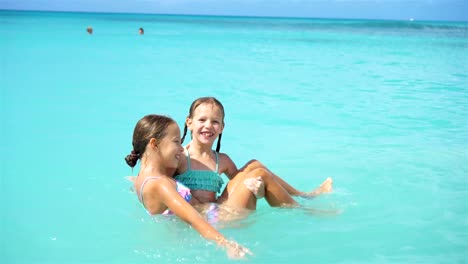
[
  {"x": 253, "y": 161},
  {"x": 253, "y": 164},
  {"x": 259, "y": 172}
]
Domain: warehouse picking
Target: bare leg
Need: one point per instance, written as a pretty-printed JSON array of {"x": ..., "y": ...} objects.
[
  {"x": 239, "y": 195},
  {"x": 325, "y": 187}
]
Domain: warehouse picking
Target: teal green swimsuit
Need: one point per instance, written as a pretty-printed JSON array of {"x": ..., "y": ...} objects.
[{"x": 201, "y": 179}]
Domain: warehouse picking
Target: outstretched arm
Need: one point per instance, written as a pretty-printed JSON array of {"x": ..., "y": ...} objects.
[{"x": 167, "y": 194}]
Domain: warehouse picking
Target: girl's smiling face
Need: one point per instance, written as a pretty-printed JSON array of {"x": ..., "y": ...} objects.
[
  {"x": 207, "y": 123},
  {"x": 170, "y": 148}
]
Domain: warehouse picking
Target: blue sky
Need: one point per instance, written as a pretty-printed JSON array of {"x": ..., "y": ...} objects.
[{"x": 371, "y": 9}]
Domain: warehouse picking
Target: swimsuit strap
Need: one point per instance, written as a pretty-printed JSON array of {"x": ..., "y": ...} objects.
[
  {"x": 188, "y": 159},
  {"x": 143, "y": 185},
  {"x": 217, "y": 163}
]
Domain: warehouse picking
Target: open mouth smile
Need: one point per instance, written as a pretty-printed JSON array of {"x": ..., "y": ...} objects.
[{"x": 207, "y": 134}]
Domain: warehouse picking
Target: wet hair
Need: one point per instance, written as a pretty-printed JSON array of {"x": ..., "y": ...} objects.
[
  {"x": 195, "y": 104},
  {"x": 142, "y": 30},
  {"x": 150, "y": 126}
]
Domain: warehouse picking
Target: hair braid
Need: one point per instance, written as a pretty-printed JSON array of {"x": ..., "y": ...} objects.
[
  {"x": 218, "y": 146},
  {"x": 132, "y": 158},
  {"x": 183, "y": 136}
]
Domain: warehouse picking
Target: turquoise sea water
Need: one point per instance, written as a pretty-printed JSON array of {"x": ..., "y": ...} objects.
[{"x": 380, "y": 106}]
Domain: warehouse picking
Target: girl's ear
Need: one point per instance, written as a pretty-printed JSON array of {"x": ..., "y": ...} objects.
[
  {"x": 222, "y": 128},
  {"x": 188, "y": 122},
  {"x": 153, "y": 143}
]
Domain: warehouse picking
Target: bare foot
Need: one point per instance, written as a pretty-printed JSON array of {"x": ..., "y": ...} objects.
[{"x": 325, "y": 187}]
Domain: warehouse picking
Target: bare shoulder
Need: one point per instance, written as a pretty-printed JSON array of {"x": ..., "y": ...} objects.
[
  {"x": 226, "y": 165},
  {"x": 156, "y": 192},
  {"x": 224, "y": 159},
  {"x": 166, "y": 181},
  {"x": 156, "y": 186}
]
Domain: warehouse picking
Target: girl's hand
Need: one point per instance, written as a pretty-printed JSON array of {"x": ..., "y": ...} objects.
[
  {"x": 234, "y": 250},
  {"x": 256, "y": 186}
]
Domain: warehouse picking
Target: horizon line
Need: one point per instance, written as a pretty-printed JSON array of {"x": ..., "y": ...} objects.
[{"x": 410, "y": 19}]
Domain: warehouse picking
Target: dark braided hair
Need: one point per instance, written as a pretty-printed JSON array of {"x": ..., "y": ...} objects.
[
  {"x": 195, "y": 104},
  {"x": 150, "y": 126},
  {"x": 218, "y": 146},
  {"x": 183, "y": 135},
  {"x": 132, "y": 158}
]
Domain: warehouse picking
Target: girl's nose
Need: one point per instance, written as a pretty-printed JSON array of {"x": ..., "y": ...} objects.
[
  {"x": 208, "y": 124},
  {"x": 181, "y": 148}
]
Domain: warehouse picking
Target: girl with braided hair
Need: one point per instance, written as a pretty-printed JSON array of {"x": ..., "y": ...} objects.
[
  {"x": 201, "y": 168},
  {"x": 156, "y": 143}
]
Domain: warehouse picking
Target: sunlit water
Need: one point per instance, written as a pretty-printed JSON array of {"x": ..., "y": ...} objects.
[{"x": 380, "y": 106}]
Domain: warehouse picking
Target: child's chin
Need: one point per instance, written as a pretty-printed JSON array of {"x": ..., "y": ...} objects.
[{"x": 207, "y": 141}]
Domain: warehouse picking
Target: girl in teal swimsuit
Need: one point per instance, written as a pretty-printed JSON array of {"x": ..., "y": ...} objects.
[
  {"x": 202, "y": 167},
  {"x": 156, "y": 143}
]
